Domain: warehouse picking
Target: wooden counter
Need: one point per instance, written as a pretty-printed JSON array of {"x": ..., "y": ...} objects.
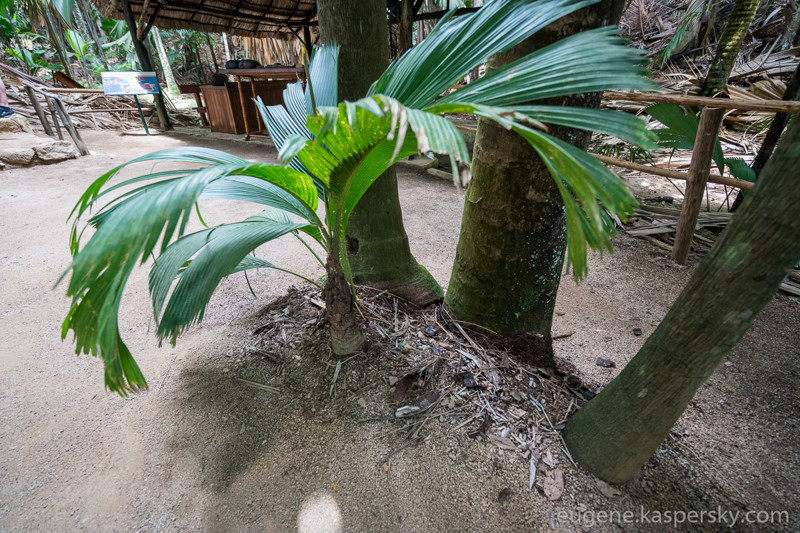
[
  {"x": 274, "y": 73},
  {"x": 272, "y": 81},
  {"x": 231, "y": 108}
]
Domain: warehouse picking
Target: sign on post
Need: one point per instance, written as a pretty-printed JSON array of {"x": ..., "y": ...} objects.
[{"x": 132, "y": 84}]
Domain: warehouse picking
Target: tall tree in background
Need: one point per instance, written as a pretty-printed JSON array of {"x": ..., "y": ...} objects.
[
  {"x": 172, "y": 85},
  {"x": 87, "y": 12},
  {"x": 146, "y": 63},
  {"x": 730, "y": 42},
  {"x": 513, "y": 234},
  {"x": 378, "y": 247},
  {"x": 614, "y": 434}
]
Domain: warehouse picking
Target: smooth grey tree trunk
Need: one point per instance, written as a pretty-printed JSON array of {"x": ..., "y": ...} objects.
[{"x": 172, "y": 85}]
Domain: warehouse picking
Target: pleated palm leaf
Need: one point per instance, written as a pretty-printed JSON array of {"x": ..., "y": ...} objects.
[{"x": 333, "y": 153}]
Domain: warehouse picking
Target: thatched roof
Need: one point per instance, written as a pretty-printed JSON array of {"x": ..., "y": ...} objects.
[{"x": 282, "y": 19}]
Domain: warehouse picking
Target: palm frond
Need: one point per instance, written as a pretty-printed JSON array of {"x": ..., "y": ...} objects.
[
  {"x": 681, "y": 130},
  {"x": 289, "y": 122},
  {"x": 615, "y": 123},
  {"x": 199, "y": 261},
  {"x": 323, "y": 75},
  {"x": 585, "y": 185},
  {"x": 456, "y": 46},
  {"x": 130, "y": 231},
  {"x": 253, "y": 189},
  {"x": 356, "y": 142},
  {"x": 196, "y": 155},
  {"x": 591, "y": 61}
]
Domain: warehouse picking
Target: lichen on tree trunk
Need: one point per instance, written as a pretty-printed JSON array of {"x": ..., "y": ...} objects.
[
  {"x": 513, "y": 233},
  {"x": 741, "y": 16},
  {"x": 614, "y": 434},
  {"x": 378, "y": 248}
]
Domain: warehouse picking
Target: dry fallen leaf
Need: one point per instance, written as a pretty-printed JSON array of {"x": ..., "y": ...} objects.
[
  {"x": 385, "y": 467},
  {"x": 554, "y": 485}
]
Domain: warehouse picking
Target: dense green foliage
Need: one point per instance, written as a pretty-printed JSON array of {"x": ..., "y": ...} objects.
[{"x": 71, "y": 36}]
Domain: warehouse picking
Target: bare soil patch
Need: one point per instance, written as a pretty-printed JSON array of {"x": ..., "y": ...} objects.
[{"x": 202, "y": 450}]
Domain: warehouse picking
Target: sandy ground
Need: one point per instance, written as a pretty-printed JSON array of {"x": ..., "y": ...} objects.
[{"x": 200, "y": 452}]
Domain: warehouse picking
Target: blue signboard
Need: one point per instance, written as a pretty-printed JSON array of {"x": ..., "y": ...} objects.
[{"x": 129, "y": 83}]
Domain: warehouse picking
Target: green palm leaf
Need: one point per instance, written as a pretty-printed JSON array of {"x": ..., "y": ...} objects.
[
  {"x": 200, "y": 261},
  {"x": 585, "y": 185},
  {"x": 129, "y": 232},
  {"x": 358, "y": 141},
  {"x": 456, "y": 46},
  {"x": 592, "y": 61},
  {"x": 681, "y": 130}
]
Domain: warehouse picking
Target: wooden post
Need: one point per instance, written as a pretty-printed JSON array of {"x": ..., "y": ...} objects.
[
  {"x": 244, "y": 107},
  {"x": 261, "y": 127},
  {"x": 406, "y": 27},
  {"x": 307, "y": 40},
  {"x": 699, "y": 169},
  {"x": 146, "y": 64},
  {"x": 38, "y": 108},
  {"x": 70, "y": 127},
  {"x": 55, "y": 116}
]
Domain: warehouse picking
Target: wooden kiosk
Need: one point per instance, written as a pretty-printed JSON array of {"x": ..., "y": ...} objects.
[{"x": 231, "y": 108}]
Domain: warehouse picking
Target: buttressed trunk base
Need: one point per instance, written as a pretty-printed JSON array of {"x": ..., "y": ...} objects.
[{"x": 378, "y": 247}]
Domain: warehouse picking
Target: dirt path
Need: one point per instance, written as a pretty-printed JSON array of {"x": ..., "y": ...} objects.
[{"x": 200, "y": 452}]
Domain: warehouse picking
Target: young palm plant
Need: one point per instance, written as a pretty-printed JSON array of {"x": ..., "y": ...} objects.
[{"x": 333, "y": 153}]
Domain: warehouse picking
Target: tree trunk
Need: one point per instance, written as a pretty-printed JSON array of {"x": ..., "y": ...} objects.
[
  {"x": 87, "y": 12},
  {"x": 614, "y": 434},
  {"x": 213, "y": 54},
  {"x": 377, "y": 243},
  {"x": 790, "y": 38},
  {"x": 146, "y": 63},
  {"x": 346, "y": 334},
  {"x": 56, "y": 38},
  {"x": 728, "y": 47},
  {"x": 513, "y": 233},
  {"x": 226, "y": 47},
  {"x": 773, "y": 133},
  {"x": 166, "y": 68},
  {"x": 405, "y": 27}
]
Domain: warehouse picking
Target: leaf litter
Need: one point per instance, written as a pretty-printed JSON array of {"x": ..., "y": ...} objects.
[{"x": 422, "y": 370}]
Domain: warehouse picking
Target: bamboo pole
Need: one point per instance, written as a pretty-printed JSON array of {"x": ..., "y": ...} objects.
[
  {"x": 673, "y": 174},
  {"x": 770, "y": 106},
  {"x": 710, "y": 121},
  {"x": 108, "y": 110},
  {"x": 62, "y": 90}
]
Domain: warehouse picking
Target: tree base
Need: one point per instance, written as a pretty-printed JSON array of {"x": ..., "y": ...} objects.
[
  {"x": 414, "y": 284},
  {"x": 346, "y": 334}
]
